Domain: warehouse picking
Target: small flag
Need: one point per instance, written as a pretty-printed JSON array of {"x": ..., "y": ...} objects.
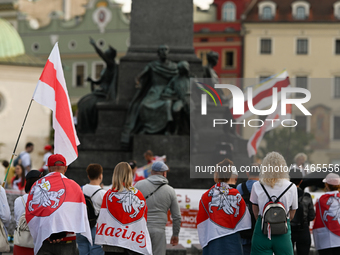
[{"x": 51, "y": 91}]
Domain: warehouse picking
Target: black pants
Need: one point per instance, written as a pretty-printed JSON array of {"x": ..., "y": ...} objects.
[
  {"x": 301, "y": 238},
  {"x": 330, "y": 251}
]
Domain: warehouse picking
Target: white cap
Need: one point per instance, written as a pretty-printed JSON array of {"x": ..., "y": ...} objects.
[{"x": 332, "y": 179}]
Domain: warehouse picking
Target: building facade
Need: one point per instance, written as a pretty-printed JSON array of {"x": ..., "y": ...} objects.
[
  {"x": 303, "y": 38},
  {"x": 71, "y": 23},
  {"x": 19, "y": 73},
  {"x": 219, "y": 29}
]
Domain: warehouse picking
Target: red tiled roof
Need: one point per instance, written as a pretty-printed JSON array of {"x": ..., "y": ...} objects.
[{"x": 320, "y": 11}]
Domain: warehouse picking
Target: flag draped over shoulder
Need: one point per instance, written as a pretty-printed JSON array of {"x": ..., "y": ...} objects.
[
  {"x": 56, "y": 204},
  {"x": 272, "y": 121},
  {"x": 122, "y": 221},
  {"x": 222, "y": 212},
  {"x": 51, "y": 91},
  {"x": 326, "y": 228},
  {"x": 263, "y": 94}
]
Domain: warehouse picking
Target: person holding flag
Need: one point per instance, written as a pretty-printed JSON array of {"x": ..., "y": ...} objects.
[{"x": 56, "y": 210}]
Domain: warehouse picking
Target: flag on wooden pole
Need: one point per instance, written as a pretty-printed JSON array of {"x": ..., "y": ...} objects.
[{"x": 51, "y": 91}]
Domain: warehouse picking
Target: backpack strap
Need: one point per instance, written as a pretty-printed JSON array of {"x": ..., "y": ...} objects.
[
  {"x": 96, "y": 192},
  {"x": 291, "y": 184},
  {"x": 270, "y": 199},
  {"x": 245, "y": 189}
]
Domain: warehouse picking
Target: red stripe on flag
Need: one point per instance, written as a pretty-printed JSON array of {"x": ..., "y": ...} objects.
[
  {"x": 263, "y": 94},
  {"x": 62, "y": 112},
  {"x": 256, "y": 137}
]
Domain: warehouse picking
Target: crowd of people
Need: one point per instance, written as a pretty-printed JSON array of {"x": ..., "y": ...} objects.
[{"x": 267, "y": 214}]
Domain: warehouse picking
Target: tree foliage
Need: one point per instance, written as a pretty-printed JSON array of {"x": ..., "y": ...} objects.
[{"x": 287, "y": 142}]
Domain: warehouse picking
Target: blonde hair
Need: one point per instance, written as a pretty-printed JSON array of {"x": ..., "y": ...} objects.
[
  {"x": 274, "y": 168},
  {"x": 122, "y": 177},
  {"x": 300, "y": 155}
]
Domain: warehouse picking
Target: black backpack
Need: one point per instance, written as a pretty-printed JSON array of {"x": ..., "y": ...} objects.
[
  {"x": 298, "y": 221},
  {"x": 247, "y": 234},
  {"x": 274, "y": 217},
  {"x": 91, "y": 215}
]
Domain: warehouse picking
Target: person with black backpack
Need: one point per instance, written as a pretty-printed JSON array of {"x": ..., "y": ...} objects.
[
  {"x": 245, "y": 189},
  {"x": 275, "y": 201},
  {"x": 94, "y": 197},
  {"x": 304, "y": 214}
]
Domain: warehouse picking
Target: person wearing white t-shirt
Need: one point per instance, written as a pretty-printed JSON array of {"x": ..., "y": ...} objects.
[
  {"x": 93, "y": 190},
  {"x": 25, "y": 157},
  {"x": 48, "y": 152},
  {"x": 275, "y": 182}
]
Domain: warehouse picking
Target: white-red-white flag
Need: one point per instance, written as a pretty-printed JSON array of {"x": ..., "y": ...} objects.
[
  {"x": 272, "y": 121},
  {"x": 262, "y": 95},
  {"x": 51, "y": 91},
  {"x": 56, "y": 204}
]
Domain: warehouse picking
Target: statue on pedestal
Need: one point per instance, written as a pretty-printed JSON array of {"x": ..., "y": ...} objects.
[
  {"x": 209, "y": 71},
  {"x": 103, "y": 89},
  {"x": 148, "y": 112},
  {"x": 178, "y": 91}
]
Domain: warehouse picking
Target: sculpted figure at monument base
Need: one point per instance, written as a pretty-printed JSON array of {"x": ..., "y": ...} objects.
[{"x": 148, "y": 112}]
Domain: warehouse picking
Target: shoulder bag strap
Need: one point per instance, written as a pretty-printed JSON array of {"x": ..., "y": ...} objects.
[
  {"x": 96, "y": 192},
  {"x": 153, "y": 192},
  {"x": 291, "y": 184}
]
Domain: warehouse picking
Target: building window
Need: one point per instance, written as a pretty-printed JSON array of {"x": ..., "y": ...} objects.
[
  {"x": 97, "y": 70},
  {"x": 266, "y": 46},
  {"x": 300, "y": 10},
  {"x": 302, "y": 123},
  {"x": 302, "y": 46},
  {"x": 300, "y": 13},
  {"x": 267, "y": 13},
  {"x": 267, "y": 10},
  {"x": 301, "y": 82},
  {"x": 336, "y": 129},
  {"x": 337, "y": 87},
  {"x": 79, "y": 74},
  {"x": 262, "y": 78},
  {"x": 337, "y": 47},
  {"x": 229, "y": 59},
  {"x": 229, "y": 11}
]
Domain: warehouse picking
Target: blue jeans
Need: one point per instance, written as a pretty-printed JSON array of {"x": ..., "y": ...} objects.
[{"x": 84, "y": 246}]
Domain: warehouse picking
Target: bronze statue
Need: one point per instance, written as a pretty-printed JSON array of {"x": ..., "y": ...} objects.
[
  {"x": 103, "y": 89},
  {"x": 209, "y": 71},
  {"x": 178, "y": 91},
  {"x": 148, "y": 113}
]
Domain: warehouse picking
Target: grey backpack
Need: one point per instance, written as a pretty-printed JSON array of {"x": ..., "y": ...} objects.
[{"x": 274, "y": 217}]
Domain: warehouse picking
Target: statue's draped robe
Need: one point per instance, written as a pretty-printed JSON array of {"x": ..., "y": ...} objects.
[{"x": 148, "y": 113}]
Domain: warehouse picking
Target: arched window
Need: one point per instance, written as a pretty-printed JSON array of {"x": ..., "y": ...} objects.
[
  {"x": 267, "y": 12},
  {"x": 300, "y": 12},
  {"x": 229, "y": 11}
]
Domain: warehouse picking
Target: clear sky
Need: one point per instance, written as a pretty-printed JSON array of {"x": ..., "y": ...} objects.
[{"x": 203, "y": 4}]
